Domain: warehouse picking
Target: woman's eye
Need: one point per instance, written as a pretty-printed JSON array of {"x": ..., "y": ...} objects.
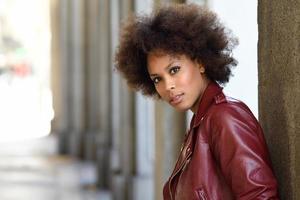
[
  {"x": 156, "y": 80},
  {"x": 174, "y": 70}
]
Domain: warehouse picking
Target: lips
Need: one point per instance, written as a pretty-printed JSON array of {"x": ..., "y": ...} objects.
[{"x": 176, "y": 99}]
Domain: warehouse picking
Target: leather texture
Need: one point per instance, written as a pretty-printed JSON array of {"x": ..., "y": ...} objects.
[{"x": 224, "y": 155}]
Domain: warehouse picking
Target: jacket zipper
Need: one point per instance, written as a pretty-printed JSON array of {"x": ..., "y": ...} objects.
[
  {"x": 201, "y": 194},
  {"x": 174, "y": 174}
]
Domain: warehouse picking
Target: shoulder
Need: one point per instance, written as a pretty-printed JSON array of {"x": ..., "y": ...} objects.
[
  {"x": 230, "y": 107},
  {"x": 230, "y": 113},
  {"x": 231, "y": 125}
]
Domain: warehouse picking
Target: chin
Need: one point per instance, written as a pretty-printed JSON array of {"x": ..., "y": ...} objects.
[{"x": 181, "y": 108}]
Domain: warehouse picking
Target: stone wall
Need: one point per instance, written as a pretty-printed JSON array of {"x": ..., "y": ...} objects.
[{"x": 279, "y": 89}]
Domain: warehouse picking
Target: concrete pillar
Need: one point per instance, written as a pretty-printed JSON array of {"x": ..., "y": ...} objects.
[
  {"x": 104, "y": 92},
  {"x": 67, "y": 73},
  {"x": 133, "y": 147},
  {"x": 92, "y": 77},
  {"x": 104, "y": 60},
  {"x": 56, "y": 125},
  {"x": 279, "y": 89},
  {"x": 98, "y": 89},
  {"x": 117, "y": 181},
  {"x": 60, "y": 78},
  {"x": 77, "y": 76},
  {"x": 123, "y": 116},
  {"x": 143, "y": 180}
]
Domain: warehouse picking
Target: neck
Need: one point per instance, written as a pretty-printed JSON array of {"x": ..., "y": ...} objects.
[{"x": 195, "y": 107}]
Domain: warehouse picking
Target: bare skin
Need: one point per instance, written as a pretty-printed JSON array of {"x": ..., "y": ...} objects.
[{"x": 178, "y": 80}]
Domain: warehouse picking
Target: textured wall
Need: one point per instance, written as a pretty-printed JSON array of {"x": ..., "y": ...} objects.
[{"x": 279, "y": 89}]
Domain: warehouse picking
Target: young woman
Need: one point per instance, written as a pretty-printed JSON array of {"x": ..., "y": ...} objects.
[{"x": 182, "y": 54}]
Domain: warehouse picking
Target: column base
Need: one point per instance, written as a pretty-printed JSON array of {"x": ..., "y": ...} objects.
[
  {"x": 90, "y": 145},
  {"x": 76, "y": 144},
  {"x": 142, "y": 188}
]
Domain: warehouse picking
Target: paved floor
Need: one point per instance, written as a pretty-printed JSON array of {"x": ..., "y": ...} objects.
[{"x": 33, "y": 171}]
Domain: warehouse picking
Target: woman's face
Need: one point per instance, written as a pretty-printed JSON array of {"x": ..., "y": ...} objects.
[{"x": 178, "y": 80}]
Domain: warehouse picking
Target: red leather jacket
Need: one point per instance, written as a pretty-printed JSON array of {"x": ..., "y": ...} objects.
[{"x": 224, "y": 155}]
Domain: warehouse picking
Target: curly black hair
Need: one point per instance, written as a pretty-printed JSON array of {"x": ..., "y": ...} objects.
[{"x": 177, "y": 29}]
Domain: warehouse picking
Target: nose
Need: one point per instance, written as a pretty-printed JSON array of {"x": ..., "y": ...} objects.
[{"x": 170, "y": 84}]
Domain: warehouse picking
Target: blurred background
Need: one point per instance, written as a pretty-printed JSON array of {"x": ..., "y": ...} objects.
[{"x": 70, "y": 128}]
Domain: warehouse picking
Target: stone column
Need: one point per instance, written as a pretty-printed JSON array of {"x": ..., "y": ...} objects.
[
  {"x": 77, "y": 76},
  {"x": 104, "y": 91},
  {"x": 56, "y": 125},
  {"x": 67, "y": 74},
  {"x": 137, "y": 146},
  {"x": 92, "y": 77},
  {"x": 117, "y": 181},
  {"x": 97, "y": 92},
  {"x": 123, "y": 117},
  {"x": 279, "y": 89},
  {"x": 60, "y": 72},
  {"x": 143, "y": 180}
]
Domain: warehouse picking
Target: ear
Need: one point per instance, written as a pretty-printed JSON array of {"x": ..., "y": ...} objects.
[{"x": 201, "y": 68}]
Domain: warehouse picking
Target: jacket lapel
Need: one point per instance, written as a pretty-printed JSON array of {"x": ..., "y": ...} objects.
[{"x": 210, "y": 93}]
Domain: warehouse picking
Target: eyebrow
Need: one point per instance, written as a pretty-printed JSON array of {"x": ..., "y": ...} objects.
[{"x": 166, "y": 68}]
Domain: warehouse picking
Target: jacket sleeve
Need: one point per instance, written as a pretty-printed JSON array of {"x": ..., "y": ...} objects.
[{"x": 239, "y": 148}]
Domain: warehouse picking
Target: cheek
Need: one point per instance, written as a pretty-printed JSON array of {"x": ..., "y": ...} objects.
[
  {"x": 190, "y": 82},
  {"x": 162, "y": 92},
  {"x": 187, "y": 79},
  {"x": 159, "y": 90}
]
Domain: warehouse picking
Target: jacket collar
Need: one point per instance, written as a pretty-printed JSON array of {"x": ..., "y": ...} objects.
[{"x": 212, "y": 93}]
